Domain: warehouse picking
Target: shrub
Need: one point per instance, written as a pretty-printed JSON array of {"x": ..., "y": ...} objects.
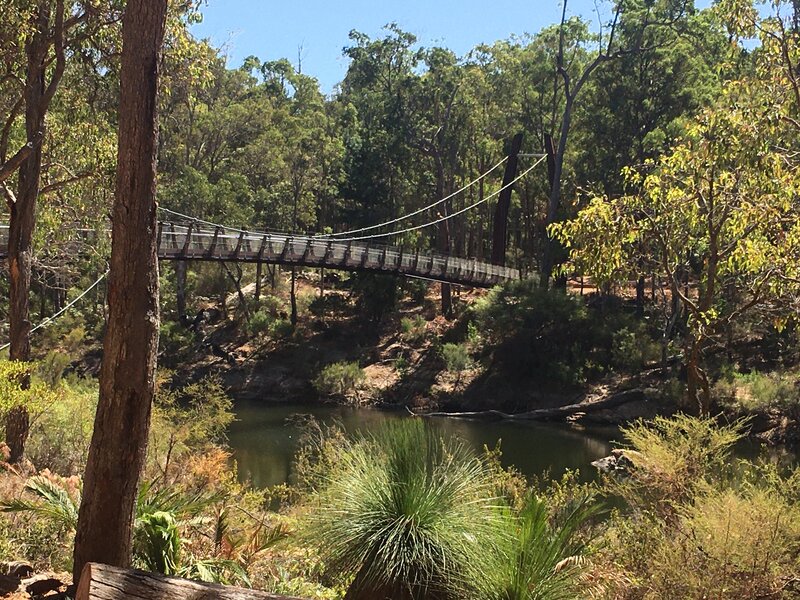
[
  {"x": 548, "y": 335},
  {"x": 413, "y": 330},
  {"x": 339, "y": 379},
  {"x": 416, "y": 290},
  {"x": 632, "y": 348},
  {"x": 674, "y": 458},
  {"x": 699, "y": 527},
  {"x": 260, "y": 322},
  {"x": 281, "y": 328},
  {"x": 376, "y": 295},
  {"x": 759, "y": 392},
  {"x": 406, "y": 514},
  {"x": 542, "y": 557},
  {"x": 456, "y": 358}
]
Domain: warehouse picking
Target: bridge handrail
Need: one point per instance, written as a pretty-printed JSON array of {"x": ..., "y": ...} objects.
[{"x": 186, "y": 240}]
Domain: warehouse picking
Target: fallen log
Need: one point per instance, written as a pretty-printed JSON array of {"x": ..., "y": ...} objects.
[
  {"x": 545, "y": 414},
  {"x": 103, "y": 582}
]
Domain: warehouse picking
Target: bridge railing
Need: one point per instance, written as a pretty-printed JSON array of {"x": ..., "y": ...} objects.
[{"x": 196, "y": 242}]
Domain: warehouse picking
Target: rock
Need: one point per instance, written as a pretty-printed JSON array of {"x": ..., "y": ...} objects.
[
  {"x": 8, "y": 584},
  {"x": 43, "y": 586},
  {"x": 620, "y": 464},
  {"x": 18, "y": 569}
]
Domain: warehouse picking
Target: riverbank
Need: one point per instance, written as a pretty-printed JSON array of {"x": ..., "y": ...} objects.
[{"x": 508, "y": 360}]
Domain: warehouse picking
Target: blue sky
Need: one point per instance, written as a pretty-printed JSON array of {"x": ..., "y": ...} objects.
[{"x": 272, "y": 29}]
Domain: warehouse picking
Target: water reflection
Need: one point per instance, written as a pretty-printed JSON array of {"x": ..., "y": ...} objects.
[{"x": 264, "y": 439}]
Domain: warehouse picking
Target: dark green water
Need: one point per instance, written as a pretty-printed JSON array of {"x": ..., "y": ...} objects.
[{"x": 264, "y": 439}]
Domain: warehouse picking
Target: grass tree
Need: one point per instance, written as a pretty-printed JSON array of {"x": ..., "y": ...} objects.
[{"x": 406, "y": 515}]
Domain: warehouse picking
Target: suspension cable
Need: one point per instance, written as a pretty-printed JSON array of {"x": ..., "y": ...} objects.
[
  {"x": 52, "y": 318},
  {"x": 375, "y": 235},
  {"x": 445, "y": 218},
  {"x": 416, "y": 212}
]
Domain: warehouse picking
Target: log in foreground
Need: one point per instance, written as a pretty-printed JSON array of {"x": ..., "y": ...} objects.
[{"x": 102, "y": 582}]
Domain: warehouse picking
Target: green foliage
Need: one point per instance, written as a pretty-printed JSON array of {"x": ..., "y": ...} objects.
[
  {"x": 756, "y": 392},
  {"x": 53, "y": 502},
  {"x": 698, "y": 525},
  {"x": 394, "y": 512},
  {"x": 548, "y": 335},
  {"x": 60, "y": 434},
  {"x": 544, "y": 556},
  {"x": 260, "y": 321},
  {"x": 632, "y": 349},
  {"x": 281, "y": 329},
  {"x": 157, "y": 542},
  {"x": 339, "y": 379},
  {"x": 675, "y": 458},
  {"x": 412, "y": 330},
  {"x": 376, "y": 295},
  {"x": 456, "y": 358},
  {"x": 187, "y": 420}
]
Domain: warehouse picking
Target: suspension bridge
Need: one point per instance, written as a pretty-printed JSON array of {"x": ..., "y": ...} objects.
[{"x": 183, "y": 237}]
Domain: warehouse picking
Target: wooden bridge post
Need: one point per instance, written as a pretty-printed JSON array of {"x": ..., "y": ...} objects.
[
  {"x": 307, "y": 251},
  {"x": 383, "y": 258},
  {"x": 347, "y": 253},
  {"x": 285, "y": 250},
  {"x": 214, "y": 240},
  {"x": 500, "y": 235},
  {"x": 174, "y": 237},
  {"x": 238, "y": 245},
  {"x": 188, "y": 239},
  {"x": 365, "y": 256}
]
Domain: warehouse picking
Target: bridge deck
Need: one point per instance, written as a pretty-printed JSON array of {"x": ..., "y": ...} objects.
[{"x": 194, "y": 242}]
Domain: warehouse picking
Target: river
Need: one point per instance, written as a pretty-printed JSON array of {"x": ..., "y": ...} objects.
[{"x": 264, "y": 439}]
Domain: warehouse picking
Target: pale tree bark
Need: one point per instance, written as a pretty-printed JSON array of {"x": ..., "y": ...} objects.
[{"x": 127, "y": 377}]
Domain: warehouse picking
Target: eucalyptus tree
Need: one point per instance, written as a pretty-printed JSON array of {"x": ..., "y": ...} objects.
[
  {"x": 722, "y": 208},
  {"x": 639, "y": 17},
  {"x": 635, "y": 106},
  {"x": 127, "y": 379},
  {"x": 35, "y": 56},
  {"x": 381, "y": 165}
]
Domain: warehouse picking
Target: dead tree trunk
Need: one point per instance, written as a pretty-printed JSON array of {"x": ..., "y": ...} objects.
[
  {"x": 127, "y": 377},
  {"x": 500, "y": 235}
]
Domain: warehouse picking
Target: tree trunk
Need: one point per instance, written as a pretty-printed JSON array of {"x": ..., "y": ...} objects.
[
  {"x": 293, "y": 298},
  {"x": 500, "y": 233},
  {"x": 237, "y": 284},
  {"x": 180, "y": 288},
  {"x": 109, "y": 583},
  {"x": 640, "y": 296},
  {"x": 698, "y": 391},
  {"x": 127, "y": 377},
  {"x": 257, "y": 294},
  {"x": 551, "y": 247},
  {"x": 22, "y": 221}
]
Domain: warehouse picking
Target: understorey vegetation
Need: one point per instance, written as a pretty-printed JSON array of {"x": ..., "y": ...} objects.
[{"x": 405, "y": 513}]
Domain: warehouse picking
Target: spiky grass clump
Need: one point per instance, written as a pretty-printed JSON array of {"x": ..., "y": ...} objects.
[
  {"x": 408, "y": 515},
  {"x": 544, "y": 555}
]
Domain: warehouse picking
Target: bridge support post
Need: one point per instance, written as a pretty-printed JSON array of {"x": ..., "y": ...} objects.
[{"x": 500, "y": 235}]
